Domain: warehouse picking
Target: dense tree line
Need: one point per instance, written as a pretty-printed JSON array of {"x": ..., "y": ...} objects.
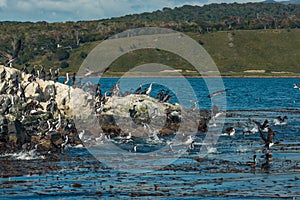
[{"x": 57, "y": 41}]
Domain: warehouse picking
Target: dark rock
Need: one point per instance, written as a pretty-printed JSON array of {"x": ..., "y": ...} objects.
[
  {"x": 44, "y": 145},
  {"x": 49, "y": 92},
  {"x": 56, "y": 138}
]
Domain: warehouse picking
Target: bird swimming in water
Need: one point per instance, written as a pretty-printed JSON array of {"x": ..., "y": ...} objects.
[
  {"x": 230, "y": 131},
  {"x": 297, "y": 86},
  {"x": 217, "y": 93},
  {"x": 280, "y": 121},
  {"x": 12, "y": 58},
  {"x": 265, "y": 167},
  {"x": 215, "y": 113},
  {"x": 253, "y": 163}
]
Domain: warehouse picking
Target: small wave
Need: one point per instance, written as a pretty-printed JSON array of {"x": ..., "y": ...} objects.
[
  {"x": 212, "y": 150},
  {"x": 241, "y": 149},
  {"x": 24, "y": 155}
]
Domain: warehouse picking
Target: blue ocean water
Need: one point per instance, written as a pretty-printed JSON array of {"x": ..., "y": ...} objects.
[
  {"x": 222, "y": 173},
  {"x": 243, "y": 93}
]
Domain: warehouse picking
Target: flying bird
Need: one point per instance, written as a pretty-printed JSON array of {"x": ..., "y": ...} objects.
[
  {"x": 12, "y": 58},
  {"x": 269, "y": 139},
  {"x": 89, "y": 72},
  {"x": 217, "y": 93},
  {"x": 264, "y": 127}
]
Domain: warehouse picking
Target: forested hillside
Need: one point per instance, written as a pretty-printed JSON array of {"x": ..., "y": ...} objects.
[{"x": 239, "y": 37}]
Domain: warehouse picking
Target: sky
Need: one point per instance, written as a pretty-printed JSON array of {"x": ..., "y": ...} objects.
[{"x": 76, "y": 10}]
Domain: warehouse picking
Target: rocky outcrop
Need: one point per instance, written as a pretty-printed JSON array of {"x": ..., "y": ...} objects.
[
  {"x": 40, "y": 114},
  {"x": 35, "y": 113},
  {"x": 150, "y": 114}
]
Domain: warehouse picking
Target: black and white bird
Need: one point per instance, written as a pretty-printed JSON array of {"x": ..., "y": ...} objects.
[
  {"x": 280, "y": 120},
  {"x": 167, "y": 96},
  {"x": 297, "y": 86},
  {"x": 230, "y": 131},
  {"x": 42, "y": 73},
  {"x": 49, "y": 75},
  {"x": 253, "y": 163},
  {"x": 264, "y": 127},
  {"x": 56, "y": 75},
  {"x": 12, "y": 58},
  {"x": 148, "y": 90},
  {"x": 66, "y": 81},
  {"x": 33, "y": 71},
  {"x": 133, "y": 112},
  {"x": 160, "y": 95},
  {"x": 25, "y": 69},
  {"x": 139, "y": 90},
  {"x": 74, "y": 78},
  {"x": 269, "y": 139},
  {"x": 3, "y": 74}
]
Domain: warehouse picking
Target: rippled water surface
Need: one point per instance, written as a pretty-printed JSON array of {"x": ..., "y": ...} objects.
[{"x": 223, "y": 172}]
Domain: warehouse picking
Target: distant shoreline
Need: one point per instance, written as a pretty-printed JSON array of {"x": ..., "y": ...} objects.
[{"x": 266, "y": 77}]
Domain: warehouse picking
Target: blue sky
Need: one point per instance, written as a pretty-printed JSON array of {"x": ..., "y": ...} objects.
[{"x": 74, "y": 10}]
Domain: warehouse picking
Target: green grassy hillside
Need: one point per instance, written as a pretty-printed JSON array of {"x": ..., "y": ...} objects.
[
  {"x": 239, "y": 38},
  {"x": 234, "y": 52}
]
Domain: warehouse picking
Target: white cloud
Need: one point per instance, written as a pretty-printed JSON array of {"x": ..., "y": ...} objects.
[{"x": 3, "y": 3}]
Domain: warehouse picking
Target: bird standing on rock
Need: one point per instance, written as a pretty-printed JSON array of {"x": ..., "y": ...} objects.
[
  {"x": 139, "y": 90},
  {"x": 66, "y": 81},
  {"x": 148, "y": 90},
  {"x": 3, "y": 75},
  {"x": 56, "y": 75},
  {"x": 132, "y": 112},
  {"x": 42, "y": 73},
  {"x": 74, "y": 78}
]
